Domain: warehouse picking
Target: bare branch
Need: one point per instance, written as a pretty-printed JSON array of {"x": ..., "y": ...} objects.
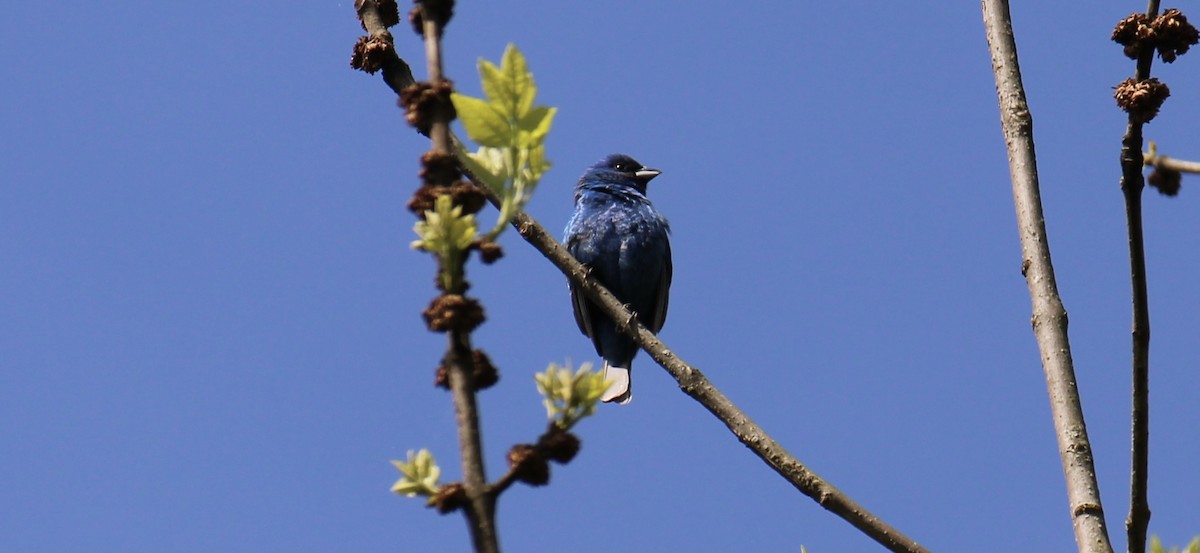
[
  {"x": 1161, "y": 162},
  {"x": 396, "y": 73},
  {"x": 1132, "y": 185},
  {"x": 696, "y": 385},
  {"x": 1049, "y": 315}
]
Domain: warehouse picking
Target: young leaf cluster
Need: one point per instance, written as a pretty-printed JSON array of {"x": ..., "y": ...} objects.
[
  {"x": 569, "y": 397},
  {"x": 446, "y": 233},
  {"x": 510, "y": 131},
  {"x": 419, "y": 475}
]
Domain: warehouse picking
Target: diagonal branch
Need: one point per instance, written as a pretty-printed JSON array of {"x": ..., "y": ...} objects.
[
  {"x": 1049, "y": 315},
  {"x": 696, "y": 385}
]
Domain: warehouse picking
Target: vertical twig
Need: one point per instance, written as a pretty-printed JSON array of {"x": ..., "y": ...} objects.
[
  {"x": 480, "y": 505},
  {"x": 1049, "y": 315},
  {"x": 1132, "y": 185}
]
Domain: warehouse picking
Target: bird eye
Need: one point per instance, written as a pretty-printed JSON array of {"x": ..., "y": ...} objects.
[{"x": 619, "y": 166}]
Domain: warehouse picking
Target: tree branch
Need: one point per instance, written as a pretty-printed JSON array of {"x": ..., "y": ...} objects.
[
  {"x": 480, "y": 505},
  {"x": 696, "y": 385},
  {"x": 396, "y": 73},
  {"x": 1049, "y": 315},
  {"x": 1161, "y": 162},
  {"x": 1132, "y": 185},
  {"x": 481, "y": 497}
]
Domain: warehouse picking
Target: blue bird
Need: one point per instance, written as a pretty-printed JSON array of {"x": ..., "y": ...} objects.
[{"x": 623, "y": 240}]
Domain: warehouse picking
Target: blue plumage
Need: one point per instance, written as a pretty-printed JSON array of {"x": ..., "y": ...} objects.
[{"x": 618, "y": 234}]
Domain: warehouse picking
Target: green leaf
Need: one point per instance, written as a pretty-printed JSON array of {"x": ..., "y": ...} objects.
[
  {"x": 495, "y": 161},
  {"x": 538, "y": 164},
  {"x": 535, "y": 125},
  {"x": 569, "y": 397},
  {"x": 418, "y": 476},
  {"x": 516, "y": 71},
  {"x": 483, "y": 122},
  {"x": 511, "y": 133},
  {"x": 482, "y": 165},
  {"x": 445, "y": 230},
  {"x": 496, "y": 87}
]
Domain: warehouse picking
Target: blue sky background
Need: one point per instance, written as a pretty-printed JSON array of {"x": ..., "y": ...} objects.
[{"x": 209, "y": 320}]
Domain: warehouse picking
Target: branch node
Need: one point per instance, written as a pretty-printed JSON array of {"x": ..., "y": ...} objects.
[
  {"x": 423, "y": 101},
  {"x": 1141, "y": 99},
  {"x": 529, "y": 465},
  {"x": 449, "y": 498},
  {"x": 371, "y": 52},
  {"x": 558, "y": 445},
  {"x": 453, "y": 312}
]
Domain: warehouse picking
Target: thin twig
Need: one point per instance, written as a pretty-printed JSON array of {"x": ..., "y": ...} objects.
[
  {"x": 1132, "y": 185},
  {"x": 1049, "y": 315},
  {"x": 480, "y": 505},
  {"x": 1161, "y": 162},
  {"x": 396, "y": 73}
]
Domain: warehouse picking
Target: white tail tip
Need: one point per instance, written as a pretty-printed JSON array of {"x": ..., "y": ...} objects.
[{"x": 619, "y": 391}]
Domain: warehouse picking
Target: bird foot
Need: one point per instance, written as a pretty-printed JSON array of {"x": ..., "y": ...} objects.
[{"x": 625, "y": 325}]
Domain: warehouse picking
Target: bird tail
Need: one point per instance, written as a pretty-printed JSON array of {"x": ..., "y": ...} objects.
[{"x": 620, "y": 390}]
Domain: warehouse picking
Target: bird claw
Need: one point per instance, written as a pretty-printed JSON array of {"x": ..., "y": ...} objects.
[{"x": 624, "y": 326}]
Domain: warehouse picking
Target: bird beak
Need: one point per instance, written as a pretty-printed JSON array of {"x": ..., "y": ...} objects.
[{"x": 646, "y": 173}]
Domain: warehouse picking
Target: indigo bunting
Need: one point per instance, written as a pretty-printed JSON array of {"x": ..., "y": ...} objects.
[{"x": 623, "y": 240}]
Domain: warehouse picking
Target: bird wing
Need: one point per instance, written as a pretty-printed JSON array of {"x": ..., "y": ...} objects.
[
  {"x": 579, "y": 303},
  {"x": 662, "y": 296},
  {"x": 580, "y": 307}
]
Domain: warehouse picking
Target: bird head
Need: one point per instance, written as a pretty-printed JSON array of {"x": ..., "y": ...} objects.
[{"x": 619, "y": 170}]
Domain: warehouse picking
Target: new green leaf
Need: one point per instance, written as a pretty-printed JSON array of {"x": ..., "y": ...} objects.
[
  {"x": 484, "y": 123},
  {"x": 418, "y": 476},
  {"x": 511, "y": 132},
  {"x": 569, "y": 397},
  {"x": 446, "y": 233}
]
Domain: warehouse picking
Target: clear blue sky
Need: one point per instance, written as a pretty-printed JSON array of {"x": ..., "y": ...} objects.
[{"x": 209, "y": 327}]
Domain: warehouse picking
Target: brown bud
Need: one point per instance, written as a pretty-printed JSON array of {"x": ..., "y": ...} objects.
[
  {"x": 439, "y": 11},
  {"x": 453, "y": 312},
  {"x": 424, "y": 199},
  {"x": 1132, "y": 33},
  {"x": 416, "y": 20},
  {"x": 449, "y": 498},
  {"x": 1141, "y": 99},
  {"x": 489, "y": 251},
  {"x": 558, "y": 445},
  {"x": 439, "y": 168},
  {"x": 441, "y": 378},
  {"x": 484, "y": 373},
  {"x": 1173, "y": 35},
  {"x": 1166, "y": 181},
  {"x": 370, "y": 52},
  {"x": 422, "y": 100},
  {"x": 389, "y": 12},
  {"x": 468, "y": 196},
  {"x": 528, "y": 465},
  {"x": 462, "y": 194}
]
